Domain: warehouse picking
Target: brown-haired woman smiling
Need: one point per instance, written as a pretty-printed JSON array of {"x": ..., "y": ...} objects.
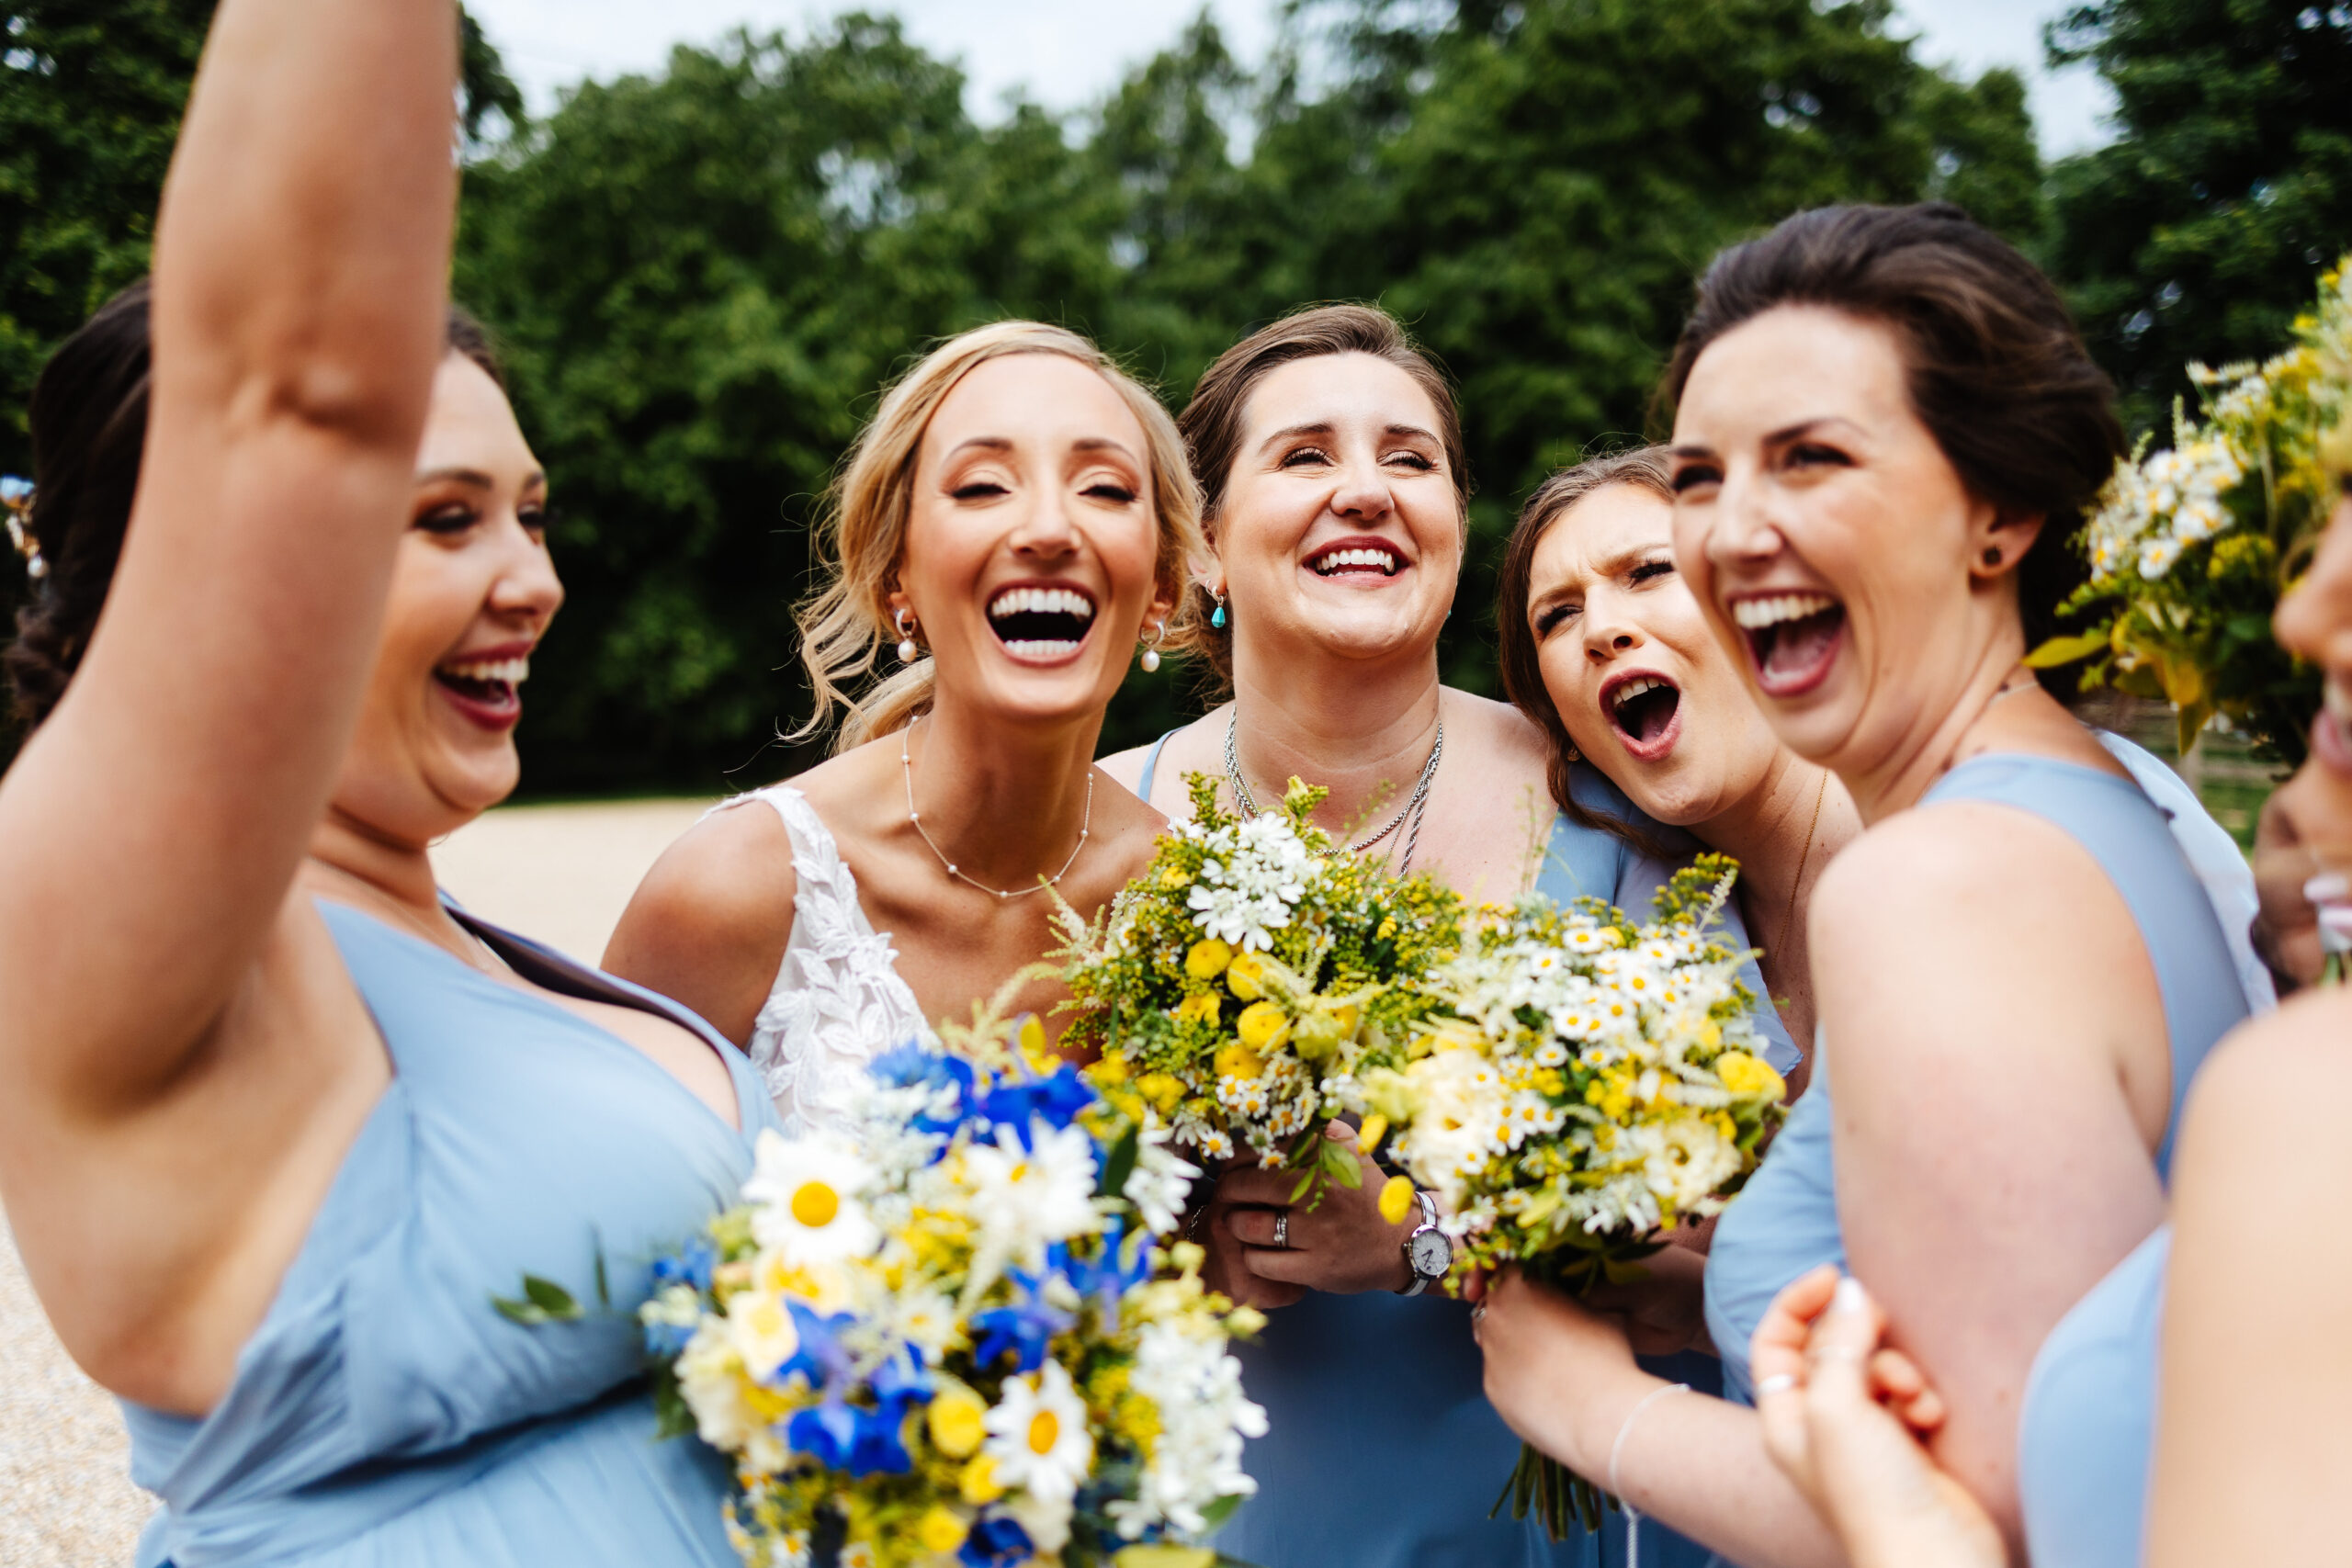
[{"x": 275, "y": 1126}]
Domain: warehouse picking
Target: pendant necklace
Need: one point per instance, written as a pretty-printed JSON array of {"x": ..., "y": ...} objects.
[
  {"x": 1086, "y": 820},
  {"x": 1415, "y": 806}
]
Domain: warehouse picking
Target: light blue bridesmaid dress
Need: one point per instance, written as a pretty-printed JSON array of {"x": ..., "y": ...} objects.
[
  {"x": 384, "y": 1415},
  {"x": 1381, "y": 1450},
  {"x": 2085, "y": 1425}
]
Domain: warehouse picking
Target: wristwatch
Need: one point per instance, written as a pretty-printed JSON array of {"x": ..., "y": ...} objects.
[{"x": 1428, "y": 1253}]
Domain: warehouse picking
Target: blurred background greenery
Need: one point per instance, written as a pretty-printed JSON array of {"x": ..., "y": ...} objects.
[{"x": 702, "y": 276}]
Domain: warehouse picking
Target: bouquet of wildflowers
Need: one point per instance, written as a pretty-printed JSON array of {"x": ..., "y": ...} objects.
[
  {"x": 1242, "y": 985},
  {"x": 957, "y": 1338},
  {"x": 1591, "y": 1084},
  {"x": 2192, "y": 546}
]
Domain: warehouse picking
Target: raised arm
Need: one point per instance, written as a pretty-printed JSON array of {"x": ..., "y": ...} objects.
[{"x": 149, "y": 831}]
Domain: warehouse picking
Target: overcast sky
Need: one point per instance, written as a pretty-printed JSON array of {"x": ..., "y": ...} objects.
[{"x": 1067, "y": 52}]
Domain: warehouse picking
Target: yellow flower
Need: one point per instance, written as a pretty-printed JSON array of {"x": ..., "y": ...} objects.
[
  {"x": 1207, "y": 960},
  {"x": 1368, "y": 1136},
  {"x": 1164, "y": 1091},
  {"x": 1263, "y": 1026},
  {"x": 1235, "y": 1060},
  {"x": 1743, "y": 1074},
  {"x": 1164, "y": 1554},
  {"x": 1109, "y": 1071},
  {"x": 940, "y": 1530},
  {"x": 1324, "y": 1027},
  {"x": 956, "y": 1423},
  {"x": 1246, "y": 976},
  {"x": 1395, "y": 1199},
  {"x": 977, "y": 1484},
  {"x": 1201, "y": 1008}
]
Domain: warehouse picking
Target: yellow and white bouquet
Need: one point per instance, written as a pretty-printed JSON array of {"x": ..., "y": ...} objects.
[
  {"x": 1591, "y": 1084},
  {"x": 958, "y": 1337},
  {"x": 2192, "y": 546},
  {"x": 1241, "y": 987}
]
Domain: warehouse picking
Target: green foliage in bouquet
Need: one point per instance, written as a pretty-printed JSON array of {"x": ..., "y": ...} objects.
[
  {"x": 1242, "y": 986},
  {"x": 1590, "y": 1084},
  {"x": 2192, "y": 546}
]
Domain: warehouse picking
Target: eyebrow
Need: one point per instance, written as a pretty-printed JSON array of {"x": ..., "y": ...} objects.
[
  {"x": 476, "y": 478},
  {"x": 1780, "y": 437},
  {"x": 1325, "y": 427},
  {"x": 1004, "y": 444}
]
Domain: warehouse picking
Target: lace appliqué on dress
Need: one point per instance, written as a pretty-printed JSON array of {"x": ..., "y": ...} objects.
[{"x": 838, "y": 1002}]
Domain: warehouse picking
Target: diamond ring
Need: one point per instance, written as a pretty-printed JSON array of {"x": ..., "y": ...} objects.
[{"x": 1282, "y": 1229}]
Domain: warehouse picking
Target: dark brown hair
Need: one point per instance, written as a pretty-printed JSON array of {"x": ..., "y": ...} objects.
[
  {"x": 1642, "y": 468},
  {"x": 87, "y": 420},
  {"x": 1996, "y": 367},
  {"x": 1212, "y": 427}
]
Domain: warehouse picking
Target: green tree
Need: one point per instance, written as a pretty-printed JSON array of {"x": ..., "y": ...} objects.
[{"x": 2196, "y": 234}]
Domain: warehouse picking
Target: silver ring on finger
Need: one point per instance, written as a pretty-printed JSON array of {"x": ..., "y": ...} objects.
[{"x": 1282, "y": 1229}]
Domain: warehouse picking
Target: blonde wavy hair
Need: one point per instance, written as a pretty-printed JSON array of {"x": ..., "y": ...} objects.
[{"x": 862, "y": 535}]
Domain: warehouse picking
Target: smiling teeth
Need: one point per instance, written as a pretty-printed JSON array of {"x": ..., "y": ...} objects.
[
  {"x": 1337, "y": 558},
  {"x": 1639, "y": 685},
  {"x": 1035, "y": 649},
  {"x": 1040, "y": 602},
  {"x": 1751, "y": 613},
  {"x": 512, "y": 672}
]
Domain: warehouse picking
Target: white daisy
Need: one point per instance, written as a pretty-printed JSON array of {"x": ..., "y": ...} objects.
[
  {"x": 805, "y": 1196},
  {"x": 1037, "y": 1435}
]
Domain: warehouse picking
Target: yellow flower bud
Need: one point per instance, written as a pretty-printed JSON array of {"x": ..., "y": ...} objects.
[
  {"x": 977, "y": 1484},
  {"x": 1164, "y": 1091},
  {"x": 940, "y": 1530},
  {"x": 958, "y": 1420},
  {"x": 1368, "y": 1136},
  {"x": 1201, "y": 1008},
  {"x": 1263, "y": 1026},
  {"x": 1031, "y": 1037},
  {"x": 1395, "y": 1199},
  {"x": 1743, "y": 1074},
  {"x": 1109, "y": 1071},
  {"x": 1246, "y": 976},
  {"x": 1235, "y": 1060},
  {"x": 1207, "y": 960}
]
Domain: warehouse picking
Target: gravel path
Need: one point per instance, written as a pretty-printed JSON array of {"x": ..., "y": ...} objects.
[{"x": 559, "y": 873}]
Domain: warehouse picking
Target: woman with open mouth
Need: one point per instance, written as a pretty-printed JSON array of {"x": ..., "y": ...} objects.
[
  {"x": 1014, "y": 520},
  {"x": 1329, "y": 453},
  {"x": 277, "y": 1125},
  {"x": 1885, "y": 426}
]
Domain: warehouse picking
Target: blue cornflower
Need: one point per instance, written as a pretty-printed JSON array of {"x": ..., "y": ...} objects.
[
  {"x": 1056, "y": 1099},
  {"x": 1025, "y": 1328},
  {"x": 1124, "y": 1263},
  {"x": 912, "y": 1067},
  {"x": 691, "y": 1265},
  {"x": 996, "y": 1541}
]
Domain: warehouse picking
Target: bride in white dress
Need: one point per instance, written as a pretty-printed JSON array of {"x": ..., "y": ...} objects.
[{"x": 1017, "y": 520}]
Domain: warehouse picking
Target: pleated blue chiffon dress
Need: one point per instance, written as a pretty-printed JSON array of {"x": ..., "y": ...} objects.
[{"x": 385, "y": 1415}]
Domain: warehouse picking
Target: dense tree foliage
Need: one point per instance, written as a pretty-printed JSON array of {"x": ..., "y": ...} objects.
[
  {"x": 2195, "y": 235},
  {"x": 704, "y": 277}
]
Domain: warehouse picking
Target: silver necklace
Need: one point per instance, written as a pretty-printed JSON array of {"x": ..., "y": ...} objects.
[
  {"x": 1415, "y": 806},
  {"x": 1086, "y": 820}
]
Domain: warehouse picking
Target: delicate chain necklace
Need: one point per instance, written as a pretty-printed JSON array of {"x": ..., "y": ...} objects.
[
  {"x": 1415, "y": 806},
  {"x": 1788, "y": 914},
  {"x": 1086, "y": 821}
]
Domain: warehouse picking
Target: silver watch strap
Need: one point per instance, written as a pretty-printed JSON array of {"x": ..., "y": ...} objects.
[{"x": 1428, "y": 1223}]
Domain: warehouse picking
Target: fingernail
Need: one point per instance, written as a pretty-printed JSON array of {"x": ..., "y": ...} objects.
[
  {"x": 1850, "y": 1296},
  {"x": 2328, "y": 887}
]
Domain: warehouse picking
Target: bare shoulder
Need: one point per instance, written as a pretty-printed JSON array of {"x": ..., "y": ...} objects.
[
  {"x": 1187, "y": 749},
  {"x": 1497, "y": 734},
  {"x": 1125, "y": 768},
  {"x": 708, "y": 924},
  {"x": 1959, "y": 860},
  {"x": 2273, "y": 1090}
]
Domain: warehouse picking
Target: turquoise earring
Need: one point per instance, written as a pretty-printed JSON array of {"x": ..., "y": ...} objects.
[{"x": 1217, "y": 619}]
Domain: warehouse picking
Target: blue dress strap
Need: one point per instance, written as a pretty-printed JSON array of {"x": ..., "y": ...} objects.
[{"x": 1151, "y": 766}]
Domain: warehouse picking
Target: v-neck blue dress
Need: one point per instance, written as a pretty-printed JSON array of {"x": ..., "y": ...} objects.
[
  {"x": 1381, "y": 1450},
  {"x": 384, "y": 1415}
]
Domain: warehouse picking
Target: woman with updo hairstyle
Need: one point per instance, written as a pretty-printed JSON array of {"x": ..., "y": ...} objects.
[
  {"x": 1885, "y": 426},
  {"x": 278, "y": 1124},
  {"x": 1329, "y": 455},
  {"x": 1015, "y": 520}
]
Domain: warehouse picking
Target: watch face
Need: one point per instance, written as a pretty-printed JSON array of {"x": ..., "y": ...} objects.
[{"x": 1432, "y": 1254}]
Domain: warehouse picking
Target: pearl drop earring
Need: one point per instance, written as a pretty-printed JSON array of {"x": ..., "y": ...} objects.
[
  {"x": 1151, "y": 649},
  {"x": 908, "y": 651}
]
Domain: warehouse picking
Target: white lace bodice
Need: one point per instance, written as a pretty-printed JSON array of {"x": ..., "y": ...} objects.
[{"x": 838, "y": 1002}]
